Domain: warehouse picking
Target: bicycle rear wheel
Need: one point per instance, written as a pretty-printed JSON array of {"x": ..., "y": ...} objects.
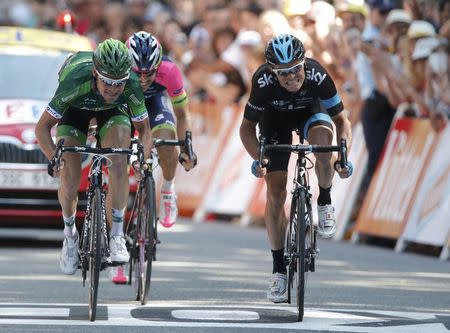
[
  {"x": 146, "y": 241},
  {"x": 95, "y": 251},
  {"x": 301, "y": 257}
]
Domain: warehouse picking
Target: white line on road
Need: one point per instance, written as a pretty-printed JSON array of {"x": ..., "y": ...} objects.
[{"x": 182, "y": 315}]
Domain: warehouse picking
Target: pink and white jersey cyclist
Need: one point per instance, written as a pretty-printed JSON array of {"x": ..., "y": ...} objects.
[{"x": 165, "y": 99}]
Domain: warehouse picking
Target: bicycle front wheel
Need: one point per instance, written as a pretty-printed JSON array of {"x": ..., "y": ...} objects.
[
  {"x": 95, "y": 251},
  {"x": 146, "y": 240},
  {"x": 301, "y": 257}
]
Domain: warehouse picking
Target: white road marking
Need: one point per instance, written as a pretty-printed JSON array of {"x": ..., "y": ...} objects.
[
  {"x": 34, "y": 312},
  {"x": 315, "y": 319},
  {"x": 215, "y": 315}
]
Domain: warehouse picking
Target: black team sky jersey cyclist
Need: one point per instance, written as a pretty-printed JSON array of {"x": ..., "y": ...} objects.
[
  {"x": 291, "y": 92},
  {"x": 96, "y": 85}
]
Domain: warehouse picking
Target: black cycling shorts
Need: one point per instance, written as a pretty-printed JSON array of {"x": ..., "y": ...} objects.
[{"x": 277, "y": 127}]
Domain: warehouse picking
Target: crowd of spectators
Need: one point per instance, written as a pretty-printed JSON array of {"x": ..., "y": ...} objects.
[{"x": 386, "y": 56}]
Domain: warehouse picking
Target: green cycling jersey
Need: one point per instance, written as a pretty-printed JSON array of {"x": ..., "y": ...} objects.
[{"x": 76, "y": 89}]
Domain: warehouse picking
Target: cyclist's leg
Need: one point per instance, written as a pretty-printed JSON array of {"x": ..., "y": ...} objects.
[
  {"x": 162, "y": 122},
  {"x": 279, "y": 129},
  {"x": 73, "y": 130},
  {"x": 319, "y": 130},
  {"x": 115, "y": 132}
]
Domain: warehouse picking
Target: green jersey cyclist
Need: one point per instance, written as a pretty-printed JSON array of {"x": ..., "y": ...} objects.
[
  {"x": 96, "y": 85},
  {"x": 292, "y": 92}
]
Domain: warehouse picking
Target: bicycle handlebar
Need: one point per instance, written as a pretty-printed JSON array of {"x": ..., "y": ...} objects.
[
  {"x": 301, "y": 148},
  {"x": 186, "y": 144}
]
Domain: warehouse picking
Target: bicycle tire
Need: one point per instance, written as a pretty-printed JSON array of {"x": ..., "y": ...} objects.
[
  {"x": 147, "y": 240},
  {"x": 301, "y": 250},
  {"x": 290, "y": 248},
  {"x": 95, "y": 251}
]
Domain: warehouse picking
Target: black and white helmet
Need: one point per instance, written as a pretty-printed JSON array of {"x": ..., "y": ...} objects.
[{"x": 145, "y": 50}]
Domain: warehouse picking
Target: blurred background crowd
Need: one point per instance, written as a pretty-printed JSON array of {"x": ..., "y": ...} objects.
[{"x": 385, "y": 56}]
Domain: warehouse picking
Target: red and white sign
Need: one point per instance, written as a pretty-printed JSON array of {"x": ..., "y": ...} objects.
[
  {"x": 232, "y": 184},
  {"x": 211, "y": 131},
  {"x": 388, "y": 201},
  {"x": 428, "y": 219}
]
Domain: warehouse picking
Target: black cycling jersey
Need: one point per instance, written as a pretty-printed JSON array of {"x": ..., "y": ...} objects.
[{"x": 268, "y": 95}]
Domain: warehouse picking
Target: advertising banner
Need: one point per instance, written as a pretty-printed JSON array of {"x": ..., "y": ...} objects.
[
  {"x": 428, "y": 219},
  {"x": 387, "y": 204},
  {"x": 211, "y": 131},
  {"x": 232, "y": 184}
]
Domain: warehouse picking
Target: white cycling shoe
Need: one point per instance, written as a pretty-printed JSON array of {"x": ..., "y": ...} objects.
[
  {"x": 118, "y": 249},
  {"x": 277, "y": 288},
  {"x": 69, "y": 259},
  {"x": 327, "y": 221}
]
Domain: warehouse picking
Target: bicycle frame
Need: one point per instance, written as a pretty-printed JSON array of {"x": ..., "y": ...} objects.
[
  {"x": 142, "y": 228},
  {"x": 301, "y": 240},
  {"x": 94, "y": 249}
]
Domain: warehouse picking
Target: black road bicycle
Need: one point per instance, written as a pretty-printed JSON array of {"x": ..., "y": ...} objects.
[
  {"x": 141, "y": 230},
  {"x": 301, "y": 234},
  {"x": 94, "y": 245}
]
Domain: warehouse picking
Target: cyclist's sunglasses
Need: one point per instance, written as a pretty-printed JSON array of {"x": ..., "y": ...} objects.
[
  {"x": 147, "y": 73},
  {"x": 112, "y": 82},
  {"x": 291, "y": 70}
]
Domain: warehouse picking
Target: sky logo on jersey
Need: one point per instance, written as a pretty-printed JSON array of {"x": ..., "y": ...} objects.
[
  {"x": 315, "y": 76},
  {"x": 265, "y": 80}
]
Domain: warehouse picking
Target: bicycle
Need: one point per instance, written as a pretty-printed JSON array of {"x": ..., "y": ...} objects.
[
  {"x": 141, "y": 230},
  {"x": 301, "y": 234},
  {"x": 94, "y": 245}
]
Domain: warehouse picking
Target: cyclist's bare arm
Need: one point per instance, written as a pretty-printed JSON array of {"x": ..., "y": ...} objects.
[
  {"x": 145, "y": 135},
  {"x": 183, "y": 120},
  {"x": 43, "y": 134},
  {"x": 343, "y": 129},
  {"x": 247, "y": 132}
]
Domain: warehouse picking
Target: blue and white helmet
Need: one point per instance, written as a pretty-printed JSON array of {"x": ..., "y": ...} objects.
[
  {"x": 283, "y": 49},
  {"x": 145, "y": 50}
]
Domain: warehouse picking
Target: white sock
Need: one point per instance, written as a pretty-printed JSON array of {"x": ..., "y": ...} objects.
[
  {"x": 168, "y": 185},
  {"x": 117, "y": 222},
  {"x": 70, "y": 229}
]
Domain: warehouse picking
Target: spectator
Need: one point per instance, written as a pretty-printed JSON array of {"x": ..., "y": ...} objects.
[
  {"x": 377, "y": 113},
  {"x": 352, "y": 14}
]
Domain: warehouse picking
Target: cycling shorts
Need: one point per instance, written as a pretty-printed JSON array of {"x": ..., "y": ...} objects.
[
  {"x": 160, "y": 112},
  {"x": 75, "y": 122},
  {"x": 277, "y": 126}
]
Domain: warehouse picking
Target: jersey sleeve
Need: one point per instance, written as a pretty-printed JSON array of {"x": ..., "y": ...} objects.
[
  {"x": 329, "y": 96},
  {"x": 68, "y": 90},
  {"x": 136, "y": 101},
  {"x": 175, "y": 87},
  {"x": 258, "y": 96}
]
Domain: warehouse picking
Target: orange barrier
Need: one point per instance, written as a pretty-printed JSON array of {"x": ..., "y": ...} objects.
[
  {"x": 410, "y": 190},
  {"x": 388, "y": 198},
  {"x": 211, "y": 128}
]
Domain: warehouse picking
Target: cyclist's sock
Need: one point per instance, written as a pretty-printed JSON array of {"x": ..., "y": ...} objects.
[
  {"x": 70, "y": 229},
  {"x": 278, "y": 261},
  {"x": 324, "y": 196},
  {"x": 117, "y": 219},
  {"x": 168, "y": 185}
]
